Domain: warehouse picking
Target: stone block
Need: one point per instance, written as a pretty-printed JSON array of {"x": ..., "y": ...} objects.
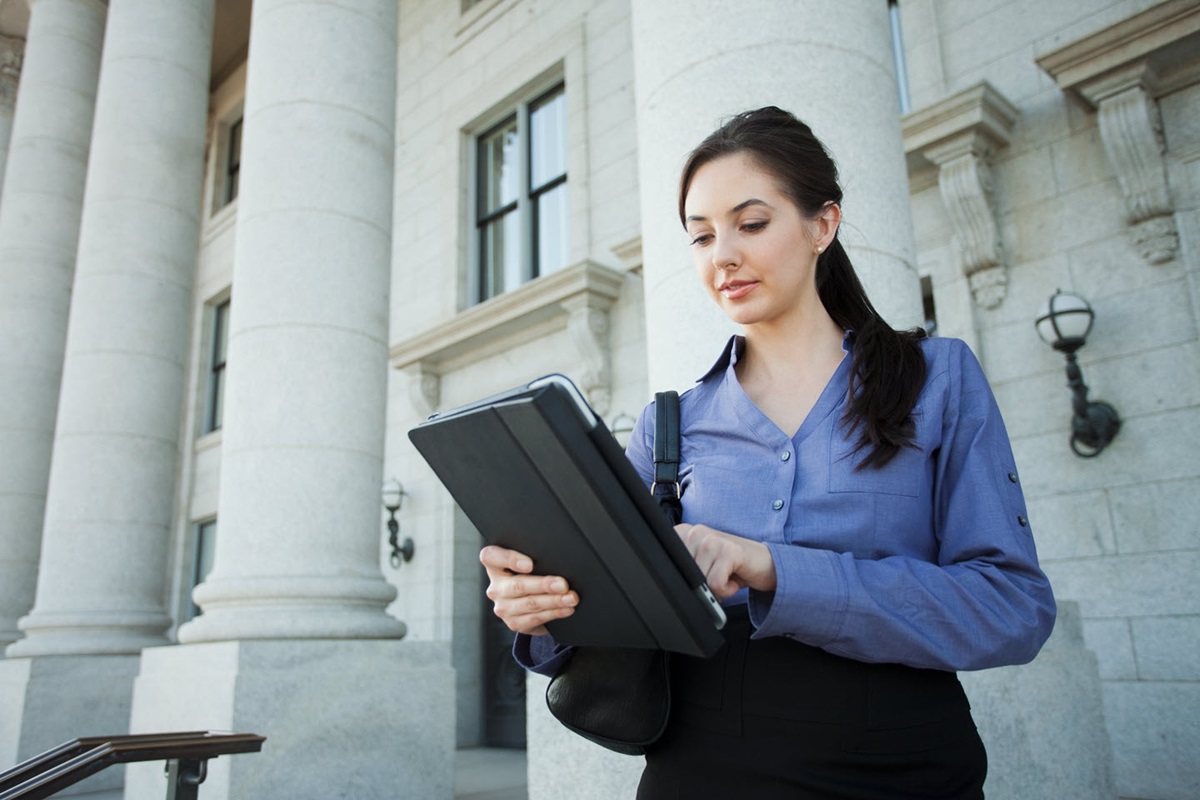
[
  {"x": 1129, "y": 586},
  {"x": 1112, "y": 642},
  {"x": 1155, "y": 735},
  {"x": 1072, "y": 526},
  {"x": 343, "y": 718},
  {"x": 1168, "y": 648},
  {"x": 1156, "y": 517}
]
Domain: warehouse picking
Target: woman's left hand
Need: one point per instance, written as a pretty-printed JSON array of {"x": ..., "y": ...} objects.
[{"x": 729, "y": 562}]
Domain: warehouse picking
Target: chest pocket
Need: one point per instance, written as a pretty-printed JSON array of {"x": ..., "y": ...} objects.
[{"x": 901, "y": 476}]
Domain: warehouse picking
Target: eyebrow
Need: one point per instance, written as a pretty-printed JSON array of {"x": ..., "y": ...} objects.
[{"x": 753, "y": 201}]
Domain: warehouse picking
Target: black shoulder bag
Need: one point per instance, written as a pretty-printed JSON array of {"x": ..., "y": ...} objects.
[{"x": 620, "y": 697}]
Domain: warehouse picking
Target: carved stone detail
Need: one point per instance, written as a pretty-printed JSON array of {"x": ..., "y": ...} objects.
[
  {"x": 1131, "y": 129},
  {"x": 12, "y": 54},
  {"x": 959, "y": 136},
  {"x": 1120, "y": 71},
  {"x": 587, "y": 324},
  {"x": 424, "y": 390}
]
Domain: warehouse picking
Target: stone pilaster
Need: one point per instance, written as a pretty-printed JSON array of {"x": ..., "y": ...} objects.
[
  {"x": 39, "y": 233},
  {"x": 802, "y": 56},
  {"x": 112, "y": 484},
  {"x": 298, "y": 547}
]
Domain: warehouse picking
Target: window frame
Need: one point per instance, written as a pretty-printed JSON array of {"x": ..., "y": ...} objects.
[
  {"x": 204, "y": 546},
  {"x": 526, "y": 204}
]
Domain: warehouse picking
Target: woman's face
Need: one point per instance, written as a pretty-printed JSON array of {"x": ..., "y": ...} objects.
[{"x": 754, "y": 251}]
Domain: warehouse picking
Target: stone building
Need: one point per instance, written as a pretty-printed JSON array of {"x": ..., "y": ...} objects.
[{"x": 244, "y": 250}]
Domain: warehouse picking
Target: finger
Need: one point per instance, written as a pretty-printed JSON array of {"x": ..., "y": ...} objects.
[
  {"x": 496, "y": 557},
  {"x": 528, "y": 614}
]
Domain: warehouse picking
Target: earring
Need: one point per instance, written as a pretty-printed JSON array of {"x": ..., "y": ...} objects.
[{"x": 820, "y": 250}]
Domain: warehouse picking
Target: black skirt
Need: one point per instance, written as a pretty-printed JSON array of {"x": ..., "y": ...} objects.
[{"x": 773, "y": 718}]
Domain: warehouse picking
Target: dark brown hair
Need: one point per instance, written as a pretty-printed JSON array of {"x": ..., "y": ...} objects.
[{"x": 887, "y": 366}]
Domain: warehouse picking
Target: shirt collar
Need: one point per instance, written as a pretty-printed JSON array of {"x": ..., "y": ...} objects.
[{"x": 737, "y": 345}]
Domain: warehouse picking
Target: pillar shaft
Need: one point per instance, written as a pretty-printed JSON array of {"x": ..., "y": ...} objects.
[
  {"x": 112, "y": 482},
  {"x": 828, "y": 63},
  {"x": 300, "y": 525},
  {"x": 39, "y": 232}
]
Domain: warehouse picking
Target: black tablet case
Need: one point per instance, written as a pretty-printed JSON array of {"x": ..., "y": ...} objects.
[{"x": 530, "y": 475}]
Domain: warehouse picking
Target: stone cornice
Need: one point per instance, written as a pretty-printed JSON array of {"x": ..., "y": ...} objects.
[
  {"x": 1120, "y": 72},
  {"x": 576, "y": 299},
  {"x": 1166, "y": 36},
  {"x": 980, "y": 113}
]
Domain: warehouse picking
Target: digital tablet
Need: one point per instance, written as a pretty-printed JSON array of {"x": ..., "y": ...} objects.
[{"x": 536, "y": 470}]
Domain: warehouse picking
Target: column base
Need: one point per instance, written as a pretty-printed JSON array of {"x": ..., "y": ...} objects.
[
  {"x": 52, "y": 699},
  {"x": 1043, "y": 722},
  {"x": 343, "y": 718}
]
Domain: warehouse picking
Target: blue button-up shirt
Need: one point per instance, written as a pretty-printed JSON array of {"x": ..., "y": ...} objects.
[{"x": 927, "y": 561}]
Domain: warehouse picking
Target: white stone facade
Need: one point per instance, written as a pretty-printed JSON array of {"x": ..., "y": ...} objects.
[{"x": 1049, "y": 145}]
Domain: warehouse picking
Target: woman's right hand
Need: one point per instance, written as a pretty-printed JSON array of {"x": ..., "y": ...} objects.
[{"x": 525, "y": 602}]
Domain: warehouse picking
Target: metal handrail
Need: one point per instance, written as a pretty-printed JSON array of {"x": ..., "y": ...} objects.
[{"x": 186, "y": 752}]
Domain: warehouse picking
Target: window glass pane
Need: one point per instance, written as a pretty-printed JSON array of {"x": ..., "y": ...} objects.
[
  {"x": 500, "y": 250},
  {"x": 216, "y": 388},
  {"x": 202, "y": 560},
  {"x": 552, "y": 230},
  {"x": 499, "y": 169},
  {"x": 233, "y": 165},
  {"x": 548, "y": 139}
]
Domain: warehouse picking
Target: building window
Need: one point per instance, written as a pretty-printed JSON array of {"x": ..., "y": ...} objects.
[
  {"x": 521, "y": 191},
  {"x": 202, "y": 557},
  {"x": 216, "y": 370},
  {"x": 233, "y": 162}
]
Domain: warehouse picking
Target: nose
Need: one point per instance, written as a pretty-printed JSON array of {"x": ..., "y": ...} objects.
[{"x": 725, "y": 256}]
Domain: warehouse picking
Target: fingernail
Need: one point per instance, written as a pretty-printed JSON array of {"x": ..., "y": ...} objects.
[
  {"x": 570, "y": 599},
  {"x": 524, "y": 564},
  {"x": 558, "y": 585}
]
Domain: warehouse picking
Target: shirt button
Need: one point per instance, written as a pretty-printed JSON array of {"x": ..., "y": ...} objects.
[
  {"x": 1012, "y": 477},
  {"x": 1022, "y": 521},
  {"x": 785, "y": 455},
  {"x": 778, "y": 504}
]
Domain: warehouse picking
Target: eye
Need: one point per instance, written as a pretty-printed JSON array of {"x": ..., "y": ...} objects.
[
  {"x": 701, "y": 239},
  {"x": 754, "y": 227}
]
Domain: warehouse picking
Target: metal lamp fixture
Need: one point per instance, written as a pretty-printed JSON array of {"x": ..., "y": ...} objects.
[
  {"x": 393, "y": 497},
  {"x": 1064, "y": 323}
]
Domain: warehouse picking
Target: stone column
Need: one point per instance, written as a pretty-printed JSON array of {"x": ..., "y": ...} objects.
[
  {"x": 112, "y": 483},
  {"x": 39, "y": 232},
  {"x": 828, "y": 63},
  {"x": 11, "y": 52},
  {"x": 295, "y": 641},
  {"x": 302, "y": 441}
]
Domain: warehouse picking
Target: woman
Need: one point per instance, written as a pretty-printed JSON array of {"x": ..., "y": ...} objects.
[{"x": 850, "y": 493}]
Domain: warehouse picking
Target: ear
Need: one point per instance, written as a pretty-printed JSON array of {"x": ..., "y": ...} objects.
[{"x": 825, "y": 225}]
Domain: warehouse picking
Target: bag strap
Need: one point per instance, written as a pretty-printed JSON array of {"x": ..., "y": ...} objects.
[{"x": 666, "y": 454}]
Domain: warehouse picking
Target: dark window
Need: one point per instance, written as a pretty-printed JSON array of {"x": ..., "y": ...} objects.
[
  {"x": 216, "y": 373},
  {"x": 927, "y": 302},
  {"x": 233, "y": 162}
]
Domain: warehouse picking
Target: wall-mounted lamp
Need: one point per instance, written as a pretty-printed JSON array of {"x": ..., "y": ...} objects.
[
  {"x": 1064, "y": 324},
  {"x": 621, "y": 427},
  {"x": 393, "y": 497}
]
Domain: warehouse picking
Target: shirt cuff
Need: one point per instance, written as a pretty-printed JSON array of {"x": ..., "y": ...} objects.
[
  {"x": 810, "y": 598},
  {"x": 540, "y": 654}
]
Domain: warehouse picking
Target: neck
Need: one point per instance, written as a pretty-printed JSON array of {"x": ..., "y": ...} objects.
[{"x": 796, "y": 348}]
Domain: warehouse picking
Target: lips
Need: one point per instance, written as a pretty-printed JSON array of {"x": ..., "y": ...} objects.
[{"x": 735, "y": 290}]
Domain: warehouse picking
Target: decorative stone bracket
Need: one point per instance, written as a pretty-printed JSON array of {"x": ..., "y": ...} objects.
[
  {"x": 12, "y": 53},
  {"x": 1120, "y": 72},
  {"x": 576, "y": 299},
  {"x": 959, "y": 136}
]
